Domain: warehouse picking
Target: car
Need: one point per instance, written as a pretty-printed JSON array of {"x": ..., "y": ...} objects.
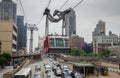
[
  {"x": 37, "y": 73},
  {"x": 54, "y": 67},
  {"x": 45, "y": 63},
  {"x": 50, "y": 60},
  {"x": 48, "y": 67},
  {"x": 66, "y": 75},
  {"x": 58, "y": 71},
  {"x": 78, "y": 75},
  {"x": 51, "y": 76},
  {"x": 48, "y": 71},
  {"x": 37, "y": 76},
  {"x": 37, "y": 68},
  {"x": 65, "y": 68}
]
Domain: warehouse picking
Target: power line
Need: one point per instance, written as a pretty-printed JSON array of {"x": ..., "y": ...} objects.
[
  {"x": 77, "y": 4},
  {"x": 23, "y": 10},
  {"x": 63, "y": 4}
]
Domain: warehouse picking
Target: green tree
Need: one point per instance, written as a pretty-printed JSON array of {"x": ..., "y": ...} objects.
[
  {"x": 76, "y": 52},
  {"x": 2, "y": 61},
  {"x": 7, "y": 56},
  {"x": 106, "y": 52}
]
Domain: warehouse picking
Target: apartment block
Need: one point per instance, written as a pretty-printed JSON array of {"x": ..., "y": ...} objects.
[
  {"x": 102, "y": 42},
  {"x": 8, "y": 36}
]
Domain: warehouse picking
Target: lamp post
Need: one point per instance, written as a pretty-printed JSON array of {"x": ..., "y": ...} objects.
[{"x": 0, "y": 46}]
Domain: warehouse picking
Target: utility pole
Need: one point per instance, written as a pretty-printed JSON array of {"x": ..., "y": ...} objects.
[
  {"x": 31, "y": 27},
  {"x": 0, "y": 46}
]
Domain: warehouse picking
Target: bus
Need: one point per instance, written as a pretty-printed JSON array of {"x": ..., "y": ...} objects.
[{"x": 24, "y": 73}]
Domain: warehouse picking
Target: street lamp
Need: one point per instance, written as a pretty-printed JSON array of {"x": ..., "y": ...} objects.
[{"x": 0, "y": 46}]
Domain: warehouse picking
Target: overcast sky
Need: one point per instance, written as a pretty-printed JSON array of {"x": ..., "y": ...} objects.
[{"x": 88, "y": 13}]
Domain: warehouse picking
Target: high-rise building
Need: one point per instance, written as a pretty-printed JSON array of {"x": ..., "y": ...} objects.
[
  {"x": 70, "y": 20},
  {"x": 22, "y": 33},
  {"x": 100, "y": 29},
  {"x": 77, "y": 42},
  {"x": 8, "y": 28},
  {"x": 8, "y": 36},
  {"x": 7, "y": 10}
]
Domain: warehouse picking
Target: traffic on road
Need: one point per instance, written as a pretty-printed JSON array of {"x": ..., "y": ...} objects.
[{"x": 51, "y": 68}]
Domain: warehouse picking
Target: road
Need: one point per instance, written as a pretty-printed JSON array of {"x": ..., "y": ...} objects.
[
  {"x": 6, "y": 69},
  {"x": 46, "y": 59}
]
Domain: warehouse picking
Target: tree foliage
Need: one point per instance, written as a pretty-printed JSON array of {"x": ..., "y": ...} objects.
[
  {"x": 76, "y": 52},
  {"x": 2, "y": 61},
  {"x": 105, "y": 53},
  {"x": 5, "y": 58}
]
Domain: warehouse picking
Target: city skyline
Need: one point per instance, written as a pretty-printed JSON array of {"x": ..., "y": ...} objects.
[{"x": 88, "y": 13}]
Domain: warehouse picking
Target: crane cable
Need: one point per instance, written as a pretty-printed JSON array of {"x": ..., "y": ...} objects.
[
  {"x": 49, "y": 3},
  {"x": 46, "y": 7},
  {"x": 63, "y": 4},
  {"x": 23, "y": 10},
  {"x": 77, "y": 4}
]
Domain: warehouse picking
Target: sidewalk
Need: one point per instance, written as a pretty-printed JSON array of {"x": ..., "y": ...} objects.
[{"x": 6, "y": 69}]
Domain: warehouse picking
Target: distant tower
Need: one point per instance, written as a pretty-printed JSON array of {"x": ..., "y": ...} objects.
[
  {"x": 22, "y": 33},
  {"x": 70, "y": 20},
  {"x": 100, "y": 29},
  {"x": 7, "y": 10}
]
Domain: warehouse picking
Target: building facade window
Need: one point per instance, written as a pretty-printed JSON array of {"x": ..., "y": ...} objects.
[
  {"x": 15, "y": 29},
  {"x": 14, "y": 46}
]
